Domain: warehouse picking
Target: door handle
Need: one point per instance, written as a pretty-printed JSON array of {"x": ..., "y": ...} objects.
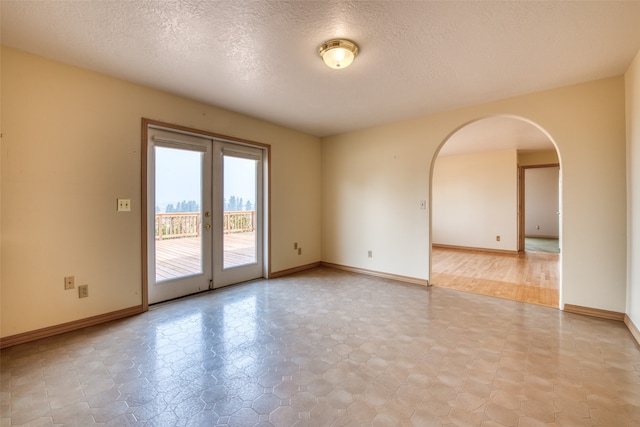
[{"x": 207, "y": 226}]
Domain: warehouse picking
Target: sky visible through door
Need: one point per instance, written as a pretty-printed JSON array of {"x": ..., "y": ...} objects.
[
  {"x": 178, "y": 174},
  {"x": 178, "y": 184},
  {"x": 239, "y": 227}
]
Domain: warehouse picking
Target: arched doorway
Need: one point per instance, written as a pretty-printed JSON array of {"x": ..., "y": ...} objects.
[{"x": 477, "y": 211}]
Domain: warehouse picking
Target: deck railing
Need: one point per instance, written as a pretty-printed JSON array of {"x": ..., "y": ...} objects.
[
  {"x": 239, "y": 221},
  {"x": 188, "y": 224}
]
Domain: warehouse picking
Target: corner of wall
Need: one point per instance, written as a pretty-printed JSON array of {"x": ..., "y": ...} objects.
[{"x": 632, "y": 112}]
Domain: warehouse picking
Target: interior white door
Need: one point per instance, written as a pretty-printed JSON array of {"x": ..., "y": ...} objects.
[{"x": 179, "y": 215}]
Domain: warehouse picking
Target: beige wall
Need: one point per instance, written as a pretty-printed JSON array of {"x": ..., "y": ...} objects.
[
  {"x": 372, "y": 180},
  {"x": 70, "y": 147},
  {"x": 632, "y": 80},
  {"x": 545, "y": 157},
  {"x": 475, "y": 199},
  {"x": 541, "y": 201}
]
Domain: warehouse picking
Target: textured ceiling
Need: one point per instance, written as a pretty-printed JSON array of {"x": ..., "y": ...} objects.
[{"x": 260, "y": 58}]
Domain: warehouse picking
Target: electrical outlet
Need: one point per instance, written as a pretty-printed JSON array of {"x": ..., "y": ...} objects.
[
  {"x": 295, "y": 246},
  {"x": 299, "y": 251},
  {"x": 537, "y": 227},
  {"x": 423, "y": 204},
  {"x": 69, "y": 282},
  {"x": 124, "y": 205},
  {"x": 83, "y": 291},
  {"x": 497, "y": 238},
  {"x": 370, "y": 254}
]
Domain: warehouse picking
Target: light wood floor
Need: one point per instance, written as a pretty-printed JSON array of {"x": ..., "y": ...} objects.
[{"x": 531, "y": 277}]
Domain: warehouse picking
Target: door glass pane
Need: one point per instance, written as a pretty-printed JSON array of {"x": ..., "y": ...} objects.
[
  {"x": 239, "y": 219},
  {"x": 178, "y": 218}
]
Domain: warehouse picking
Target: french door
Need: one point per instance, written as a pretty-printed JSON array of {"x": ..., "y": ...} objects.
[{"x": 204, "y": 219}]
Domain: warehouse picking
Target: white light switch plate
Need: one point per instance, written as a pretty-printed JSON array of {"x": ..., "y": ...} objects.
[{"x": 124, "y": 205}]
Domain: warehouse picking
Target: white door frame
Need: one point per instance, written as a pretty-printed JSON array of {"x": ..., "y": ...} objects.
[
  {"x": 223, "y": 276},
  {"x": 145, "y": 202}
]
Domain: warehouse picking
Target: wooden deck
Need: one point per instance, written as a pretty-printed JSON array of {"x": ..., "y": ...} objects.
[
  {"x": 181, "y": 257},
  {"x": 531, "y": 277}
]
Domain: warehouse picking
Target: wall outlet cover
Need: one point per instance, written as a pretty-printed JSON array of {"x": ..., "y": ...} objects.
[{"x": 83, "y": 291}]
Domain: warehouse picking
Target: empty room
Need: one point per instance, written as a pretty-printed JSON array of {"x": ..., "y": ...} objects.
[{"x": 264, "y": 213}]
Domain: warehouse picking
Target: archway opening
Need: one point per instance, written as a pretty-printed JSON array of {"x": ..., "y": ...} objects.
[{"x": 478, "y": 224}]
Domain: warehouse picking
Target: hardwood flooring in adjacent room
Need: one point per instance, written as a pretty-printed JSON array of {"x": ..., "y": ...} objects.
[{"x": 531, "y": 277}]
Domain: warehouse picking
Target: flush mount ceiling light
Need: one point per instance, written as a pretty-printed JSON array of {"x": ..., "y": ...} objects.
[{"x": 338, "y": 53}]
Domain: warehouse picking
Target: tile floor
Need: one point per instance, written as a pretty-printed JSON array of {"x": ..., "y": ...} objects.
[{"x": 329, "y": 348}]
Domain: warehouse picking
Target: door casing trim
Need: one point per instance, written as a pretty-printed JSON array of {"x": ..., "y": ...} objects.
[
  {"x": 521, "y": 198},
  {"x": 146, "y": 123}
]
